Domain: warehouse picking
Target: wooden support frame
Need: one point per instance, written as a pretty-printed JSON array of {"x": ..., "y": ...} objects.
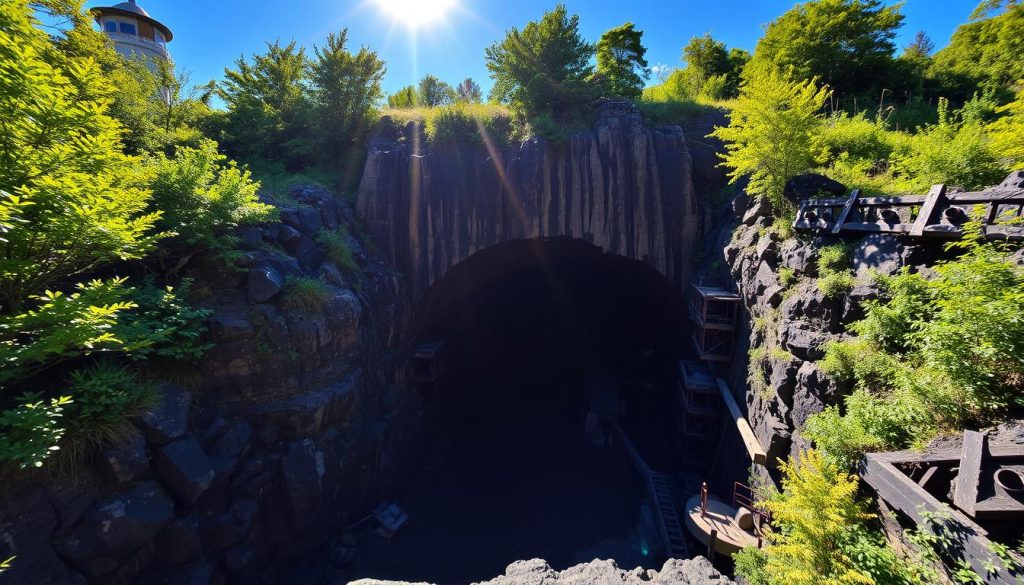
[
  {"x": 969, "y": 541},
  {"x": 927, "y": 212},
  {"x": 965, "y": 496}
]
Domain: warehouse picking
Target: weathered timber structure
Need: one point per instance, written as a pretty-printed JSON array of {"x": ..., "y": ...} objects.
[
  {"x": 971, "y": 497},
  {"x": 939, "y": 214}
]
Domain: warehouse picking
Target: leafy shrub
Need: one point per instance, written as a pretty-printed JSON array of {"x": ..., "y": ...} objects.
[
  {"x": 751, "y": 563},
  {"x": 309, "y": 295},
  {"x": 30, "y": 431},
  {"x": 1007, "y": 130},
  {"x": 774, "y": 132},
  {"x": 835, "y": 278},
  {"x": 787, "y": 277},
  {"x": 202, "y": 196},
  {"x": 106, "y": 397},
  {"x": 460, "y": 121},
  {"x": 61, "y": 327},
  {"x": 939, "y": 354},
  {"x": 837, "y": 284},
  {"x": 164, "y": 324},
  {"x": 819, "y": 533},
  {"x": 856, "y": 137},
  {"x": 473, "y": 122},
  {"x": 660, "y": 113},
  {"x": 339, "y": 251}
]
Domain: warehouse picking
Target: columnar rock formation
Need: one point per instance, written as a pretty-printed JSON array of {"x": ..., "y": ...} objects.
[{"x": 622, "y": 186}]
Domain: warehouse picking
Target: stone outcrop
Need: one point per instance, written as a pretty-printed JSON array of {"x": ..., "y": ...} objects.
[
  {"x": 622, "y": 186},
  {"x": 696, "y": 571},
  {"x": 788, "y": 324},
  {"x": 292, "y": 422}
]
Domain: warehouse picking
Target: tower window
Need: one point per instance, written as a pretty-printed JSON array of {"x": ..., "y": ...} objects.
[
  {"x": 127, "y": 28},
  {"x": 110, "y": 26}
]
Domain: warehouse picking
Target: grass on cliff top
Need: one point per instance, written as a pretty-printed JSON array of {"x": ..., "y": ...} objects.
[{"x": 474, "y": 122}]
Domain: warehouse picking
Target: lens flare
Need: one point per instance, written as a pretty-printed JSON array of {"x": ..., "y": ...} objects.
[{"x": 416, "y": 13}]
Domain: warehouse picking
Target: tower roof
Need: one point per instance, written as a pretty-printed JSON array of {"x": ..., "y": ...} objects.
[{"x": 130, "y": 8}]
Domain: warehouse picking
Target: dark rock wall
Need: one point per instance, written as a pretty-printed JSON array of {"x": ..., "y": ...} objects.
[
  {"x": 622, "y": 186},
  {"x": 296, "y": 421},
  {"x": 787, "y": 324}
]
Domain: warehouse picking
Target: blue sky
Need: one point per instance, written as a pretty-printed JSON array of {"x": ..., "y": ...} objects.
[{"x": 211, "y": 34}]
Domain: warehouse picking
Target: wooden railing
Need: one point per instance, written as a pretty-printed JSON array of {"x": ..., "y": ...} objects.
[{"x": 936, "y": 215}]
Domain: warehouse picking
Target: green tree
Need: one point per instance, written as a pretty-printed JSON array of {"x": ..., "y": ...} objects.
[
  {"x": 65, "y": 187},
  {"x": 469, "y": 92},
  {"x": 712, "y": 71},
  {"x": 433, "y": 92},
  {"x": 846, "y": 44},
  {"x": 345, "y": 90},
  {"x": 268, "y": 106},
  {"x": 774, "y": 132},
  {"x": 407, "y": 97},
  {"x": 1007, "y": 132},
  {"x": 985, "y": 51},
  {"x": 543, "y": 68},
  {"x": 621, "y": 65}
]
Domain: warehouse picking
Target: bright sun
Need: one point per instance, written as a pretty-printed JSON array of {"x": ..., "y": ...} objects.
[{"x": 416, "y": 13}]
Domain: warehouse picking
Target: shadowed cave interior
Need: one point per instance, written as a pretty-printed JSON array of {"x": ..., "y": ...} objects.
[{"x": 537, "y": 333}]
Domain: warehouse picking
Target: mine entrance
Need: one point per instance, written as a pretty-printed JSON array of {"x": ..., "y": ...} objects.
[{"x": 537, "y": 334}]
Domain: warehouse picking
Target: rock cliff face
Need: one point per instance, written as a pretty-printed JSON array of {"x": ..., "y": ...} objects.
[
  {"x": 789, "y": 320},
  {"x": 292, "y": 423},
  {"x": 622, "y": 186},
  {"x": 696, "y": 571}
]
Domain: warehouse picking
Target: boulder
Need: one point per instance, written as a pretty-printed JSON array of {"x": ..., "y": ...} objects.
[
  {"x": 301, "y": 470},
  {"x": 799, "y": 256},
  {"x": 304, "y": 219},
  {"x": 180, "y": 542},
  {"x": 232, "y": 526},
  {"x": 758, "y": 208},
  {"x": 119, "y": 525},
  {"x": 232, "y": 325},
  {"x": 810, "y": 185},
  {"x": 805, "y": 343},
  {"x": 263, "y": 284},
  {"x": 167, "y": 420},
  {"x": 125, "y": 461},
  {"x": 884, "y": 253},
  {"x": 185, "y": 469},
  {"x": 1014, "y": 180}
]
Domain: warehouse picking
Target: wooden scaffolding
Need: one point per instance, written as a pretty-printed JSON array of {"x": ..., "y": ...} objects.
[
  {"x": 713, "y": 311},
  {"x": 699, "y": 414}
]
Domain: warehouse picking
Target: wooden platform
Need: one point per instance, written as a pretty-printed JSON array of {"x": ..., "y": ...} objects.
[{"x": 719, "y": 517}]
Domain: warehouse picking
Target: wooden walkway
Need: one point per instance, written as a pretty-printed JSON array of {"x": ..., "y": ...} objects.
[{"x": 938, "y": 215}]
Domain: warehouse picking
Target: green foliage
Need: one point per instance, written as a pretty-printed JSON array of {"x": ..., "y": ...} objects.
[
  {"x": 711, "y": 71},
  {"x": 659, "y": 113},
  {"x": 308, "y": 295},
  {"x": 202, "y": 196},
  {"x": 105, "y": 398},
  {"x": 774, "y": 132},
  {"x": 268, "y": 106},
  {"x": 407, "y": 97},
  {"x": 6, "y": 564},
  {"x": 543, "y": 68},
  {"x": 30, "y": 431},
  {"x": 344, "y": 88},
  {"x": 433, "y": 92},
  {"x": 846, "y": 44},
  {"x": 985, "y": 51},
  {"x": 68, "y": 195},
  {"x": 171, "y": 327},
  {"x": 787, "y": 277},
  {"x": 339, "y": 251},
  {"x": 480, "y": 123},
  {"x": 835, "y": 278},
  {"x": 468, "y": 92},
  {"x": 1007, "y": 131},
  {"x": 815, "y": 518},
  {"x": 938, "y": 354},
  {"x": 751, "y": 563},
  {"x": 621, "y": 65},
  {"x": 60, "y": 327}
]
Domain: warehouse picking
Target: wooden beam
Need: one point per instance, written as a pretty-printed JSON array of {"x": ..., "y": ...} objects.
[
  {"x": 838, "y": 225},
  {"x": 927, "y": 476},
  {"x": 996, "y": 451},
  {"x": 754, "y": 449},
  {"x": 903, "y": 494},
  {"x": 935, "y": 195},
  {"x": 965, "y": 495}
]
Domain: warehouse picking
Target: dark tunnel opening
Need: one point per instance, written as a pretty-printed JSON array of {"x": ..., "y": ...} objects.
[{"x": 539, "y": 337}]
